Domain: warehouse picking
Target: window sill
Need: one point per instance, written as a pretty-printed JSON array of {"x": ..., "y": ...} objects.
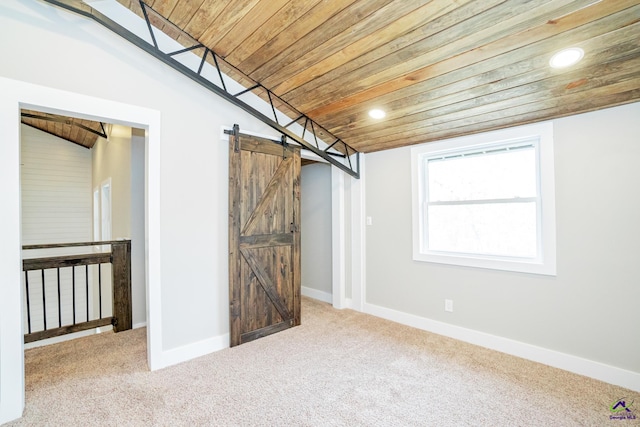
[{"x": 492, "y": 263}]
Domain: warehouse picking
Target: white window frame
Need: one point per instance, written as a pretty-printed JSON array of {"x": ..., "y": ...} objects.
[{"x": 545, "y": 262}]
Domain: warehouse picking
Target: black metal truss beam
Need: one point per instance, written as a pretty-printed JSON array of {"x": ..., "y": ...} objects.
[
  {"x": 153, "y": 49},
  {"x": 67, "y": 122}
]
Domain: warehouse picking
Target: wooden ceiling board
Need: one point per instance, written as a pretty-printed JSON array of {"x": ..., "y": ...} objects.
[
  {"x": 336, "y": 24},
  {"x": 451, "y": 125},
  {"x": 227, "y": 19},
  {"x": 74, "y": 133},
  {"x": 507, "y": 102},
  {"x": 588, "y": 93},
  {"x": 608, "y": 97},
  {"x": 268, "y": 39},
  {"x": 126, "y": 3},
  {"x": 386, "y": 35},
  {"x": 249, "y": 24},
  {"x": 182, "y": 12},
  {"x": 68, "y": 128},
  {"x": 627, "y": 50},
  {"x": 59, "y": 130},
  {"x": 51, "y": 128},
  {"x": 530, "y": 76},
  {"x": 166, "y": 7},
  {"x": 440, "y": 68},
  {"x": 370, "y": 28},
  {"x": 413, "y": 44},
  {"x": 421, "y": 67}
]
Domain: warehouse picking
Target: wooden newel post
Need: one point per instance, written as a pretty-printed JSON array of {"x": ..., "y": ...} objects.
[{"x": 121, "y": 268}]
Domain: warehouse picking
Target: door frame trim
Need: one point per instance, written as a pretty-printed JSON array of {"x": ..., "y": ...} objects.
[
  {"x": 338, "y": 239},
  {"x": 16, "y": 95}
]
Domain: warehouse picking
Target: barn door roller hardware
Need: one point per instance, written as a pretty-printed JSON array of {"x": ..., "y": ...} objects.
[
  {"x": 337, "y": 153},
  {"x": 236, "y": 137}
]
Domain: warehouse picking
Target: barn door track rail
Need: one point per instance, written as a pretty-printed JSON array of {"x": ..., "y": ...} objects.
[{"x": 281, "y": 116}]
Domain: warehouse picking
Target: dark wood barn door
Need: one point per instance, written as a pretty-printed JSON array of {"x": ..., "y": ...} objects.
[{"x": 264, "y": 237}]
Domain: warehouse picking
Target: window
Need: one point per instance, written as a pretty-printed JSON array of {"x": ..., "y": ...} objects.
[{"x": 487, "y": 200}]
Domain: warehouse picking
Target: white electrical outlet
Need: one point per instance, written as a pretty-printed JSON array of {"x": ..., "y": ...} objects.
[
  {"x": 448, "y": 305},
  {"x": 369, "y": 220}
]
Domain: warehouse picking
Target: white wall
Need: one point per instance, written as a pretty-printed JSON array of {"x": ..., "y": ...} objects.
[
  {"x": 315, "y": 195},
  {"x": 56, "y": 189},
  {"x": 589, "y": 310},
  {"x": 111, "y": 159},
  {"x": 192, "y": 206},
  {"x": 121, "y": 159},
  {"x": 55, "y": 178}
]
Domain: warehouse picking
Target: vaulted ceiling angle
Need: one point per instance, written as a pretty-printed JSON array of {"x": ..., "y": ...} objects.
[{"x": 335, "y": 152}]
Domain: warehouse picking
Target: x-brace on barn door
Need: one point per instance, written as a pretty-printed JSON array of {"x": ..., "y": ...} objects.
[{"x": 264, "y": 237}]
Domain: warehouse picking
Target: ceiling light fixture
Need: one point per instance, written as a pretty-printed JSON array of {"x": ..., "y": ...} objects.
[
  {"x": 566, "y": 58},
  {"x": 377, "y": 114}
]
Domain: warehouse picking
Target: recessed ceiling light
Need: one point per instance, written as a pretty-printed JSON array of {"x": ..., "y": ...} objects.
[
  {"x": 566, "y": 57},
  {"x": 377, "y": 114}
]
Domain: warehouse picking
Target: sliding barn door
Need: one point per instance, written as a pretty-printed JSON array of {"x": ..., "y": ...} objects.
[{"x": 264, "y": 237}]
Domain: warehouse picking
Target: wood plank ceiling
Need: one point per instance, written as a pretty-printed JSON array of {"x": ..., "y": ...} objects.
[
  {"x": 79, "y": 131},
  {"x": 439, "y": 68}
]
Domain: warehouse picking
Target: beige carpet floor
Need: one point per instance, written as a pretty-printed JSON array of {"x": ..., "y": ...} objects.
[{"x": 340, "y": 368}]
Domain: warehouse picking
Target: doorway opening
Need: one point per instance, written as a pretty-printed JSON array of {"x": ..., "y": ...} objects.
[
  {"x": 62, "y": 160},
  {"x": 18, "y": 95},
  {"x": 315, "y": 194}
]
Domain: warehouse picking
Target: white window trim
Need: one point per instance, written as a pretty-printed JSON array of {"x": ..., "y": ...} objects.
[{"x": 546, "y": 264}]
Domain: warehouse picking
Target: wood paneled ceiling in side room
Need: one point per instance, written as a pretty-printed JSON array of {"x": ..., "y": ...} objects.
[
  {"x": 439, "y": 68},
  {"x": 79, "y": 131}
]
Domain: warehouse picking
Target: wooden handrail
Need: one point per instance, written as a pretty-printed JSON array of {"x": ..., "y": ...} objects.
[
  {"x": 71, "y": 245},
  {"x": 29, "y": 264},
  {"x": 120, "y": 259}
]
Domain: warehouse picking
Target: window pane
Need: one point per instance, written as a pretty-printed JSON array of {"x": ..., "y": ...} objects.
[
  {"x": 501, "y": 175},
  {"x": 507, "y": 229}
]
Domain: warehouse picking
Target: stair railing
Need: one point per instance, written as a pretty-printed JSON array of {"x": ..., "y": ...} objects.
[{"x": 68, "y": 281}]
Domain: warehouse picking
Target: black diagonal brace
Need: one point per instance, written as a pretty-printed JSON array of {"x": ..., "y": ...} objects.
[
  {"x": 66, "y": 121},
  {"x": 87, "y": 11}
]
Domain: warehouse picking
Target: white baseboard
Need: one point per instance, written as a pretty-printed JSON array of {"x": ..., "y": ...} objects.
[
  {"x": 191, "y": 351},
  {"x": 567, "y": 362},
  {"x": 140, "y": 325},
  {"x": 316, "y": 294}
]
